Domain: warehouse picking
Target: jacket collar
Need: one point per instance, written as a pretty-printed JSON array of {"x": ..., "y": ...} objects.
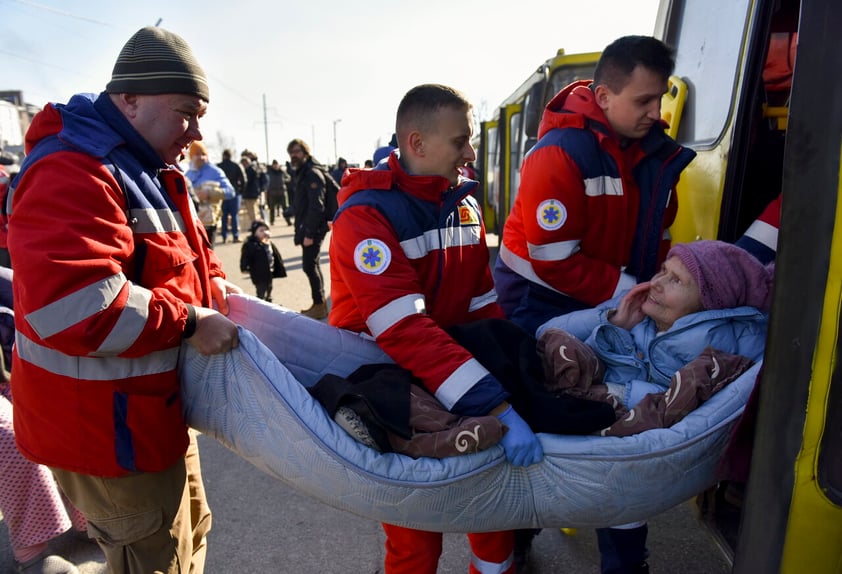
[{"x": 392, "y": 175}]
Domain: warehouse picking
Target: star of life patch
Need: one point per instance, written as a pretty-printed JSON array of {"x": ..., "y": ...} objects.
[
  {"x": 372, "y": 256},
  {"x": 551, "y": 214}
]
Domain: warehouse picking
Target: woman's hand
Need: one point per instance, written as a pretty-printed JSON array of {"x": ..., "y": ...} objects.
[{"x": 629, "y": 312}]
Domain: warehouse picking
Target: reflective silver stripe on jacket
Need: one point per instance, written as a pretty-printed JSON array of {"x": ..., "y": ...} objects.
[
  {"x": 460, "y": 382},
  {"x": 69, "y": 310},
  {"x": 392, "y": 312},
  {"x": 418, "y": 247},
  {"x": 522, "y": 267},
  {"x": 764, "y": 233},
  {"x": 88, "y": 301},
  {"x": 558, "y": 251},
  {"x": 95, "y": 368},
  {"x": 156, "y": 220},
  {"x": 129, "y": 325},
  {"x": 603, "y": 185},
  {"x": 482, "y": 300}
]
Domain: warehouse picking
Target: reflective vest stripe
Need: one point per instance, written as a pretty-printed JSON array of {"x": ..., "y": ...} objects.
[
  {"x": 763, "y": 233},
  {"x": 557, "y": 251},
  {"x": 95, "y": 368},
  {"x": 418, "y": 247},
  {"x": 522, "y": 267},
  {"x": 603, "y": 185},
  {"x": 156, "y": 220},
  {"x": 129, "y": 325},
  {"x": 482, "y": 300},
  {"x": 390, "y": 313},
  {"x": 460, "y": 382},
  {"x": 491, "y": 567},
  {"x": 76, "y": 307}
]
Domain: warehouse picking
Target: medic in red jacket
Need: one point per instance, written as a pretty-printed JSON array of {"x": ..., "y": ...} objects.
[
  {"x": 109, "y": 261},
  {"x": 590, "y": 218},
  {"x": 404, "y": 246}
]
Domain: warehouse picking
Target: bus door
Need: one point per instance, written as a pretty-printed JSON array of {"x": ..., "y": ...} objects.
[{"x": 792, "y": 518}]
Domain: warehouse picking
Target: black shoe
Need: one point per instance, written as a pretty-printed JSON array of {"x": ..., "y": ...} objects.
[{"x": 236, "y": 240}]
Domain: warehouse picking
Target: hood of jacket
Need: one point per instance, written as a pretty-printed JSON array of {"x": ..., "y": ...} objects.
[
  {"x": 93, "y": 125},
  {"x": 573, "y": 107},
  {"x": 392, "y": 175}
]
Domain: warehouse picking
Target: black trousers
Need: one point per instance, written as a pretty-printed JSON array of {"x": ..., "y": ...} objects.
[{"x": 310, "y": 266}]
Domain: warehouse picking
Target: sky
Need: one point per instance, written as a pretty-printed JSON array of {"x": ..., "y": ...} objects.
[{"x": 331, "y": 72}]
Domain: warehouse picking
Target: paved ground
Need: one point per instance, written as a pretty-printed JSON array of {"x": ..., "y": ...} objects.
[{"x": 261, "y": 525}]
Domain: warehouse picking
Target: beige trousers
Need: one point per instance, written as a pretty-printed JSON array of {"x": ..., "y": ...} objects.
[{"x": 146, "y": 522}]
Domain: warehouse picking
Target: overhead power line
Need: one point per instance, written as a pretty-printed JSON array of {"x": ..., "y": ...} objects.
[{"x": 63, "y": 12}]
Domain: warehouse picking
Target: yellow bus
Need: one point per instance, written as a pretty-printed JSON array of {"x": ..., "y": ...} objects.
[
  {"x": 513, "y": 130},
  {"x": 751, "y": 148}
]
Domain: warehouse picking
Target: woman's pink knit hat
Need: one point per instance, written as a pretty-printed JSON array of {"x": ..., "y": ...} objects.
[{"x": 728, "y": 276}]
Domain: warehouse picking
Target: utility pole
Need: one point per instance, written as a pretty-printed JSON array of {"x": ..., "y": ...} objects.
[
  {"x": 265, "y": 131},
  {"x": 335, "y": 153}
]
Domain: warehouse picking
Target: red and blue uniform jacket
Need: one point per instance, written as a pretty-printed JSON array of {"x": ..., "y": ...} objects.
[
  {"x": 408, "y": 259},
  {"x": 590, "y": 218},
  {"x": 109, "y": 257},
  {"x": 4, "y": 221},
  {"x": 761, "y": 237}
]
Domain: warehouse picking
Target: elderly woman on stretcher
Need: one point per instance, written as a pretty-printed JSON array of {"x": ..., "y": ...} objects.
[{"x": 659, "y": 350}]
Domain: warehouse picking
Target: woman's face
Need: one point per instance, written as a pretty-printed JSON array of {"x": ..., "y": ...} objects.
[{"x": 673, "y": 293}]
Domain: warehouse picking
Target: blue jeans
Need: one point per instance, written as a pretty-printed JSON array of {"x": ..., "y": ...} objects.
[{"x": 231, "y": 207}]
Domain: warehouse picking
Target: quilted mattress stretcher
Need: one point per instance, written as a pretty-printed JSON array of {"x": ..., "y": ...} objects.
[{"x": 254, "y": 401}]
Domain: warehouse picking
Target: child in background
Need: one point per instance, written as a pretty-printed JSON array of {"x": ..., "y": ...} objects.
[{"x": 261, "y": 259}]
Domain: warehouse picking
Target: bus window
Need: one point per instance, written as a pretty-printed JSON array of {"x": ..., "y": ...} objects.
[
  {"x": 533, "y": 109},
  {"x": 492, "y": 172},
  {"x": 567, "y": 75},
  {"x": 515, "y": 155},
  {"x": 708, "y": 46}
]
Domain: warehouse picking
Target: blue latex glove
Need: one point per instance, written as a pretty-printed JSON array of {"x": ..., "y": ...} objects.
[{"x": 520, "y": 443}]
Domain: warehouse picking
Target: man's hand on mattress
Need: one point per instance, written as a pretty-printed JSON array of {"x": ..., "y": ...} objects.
[
  {"x": 220, "y": 289},
  {"x": 520, "y": 443},
  {"x": 215, "y": 333}
]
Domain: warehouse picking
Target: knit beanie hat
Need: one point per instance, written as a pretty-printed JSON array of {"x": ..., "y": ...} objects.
[
  {"x": 257, "y": 224},
  {"x": 156, "y": 61},
  {"x": 727, "y": 275}
]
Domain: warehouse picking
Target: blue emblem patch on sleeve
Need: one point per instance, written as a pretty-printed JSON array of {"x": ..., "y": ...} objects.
[{"x": 372, "y": 256}]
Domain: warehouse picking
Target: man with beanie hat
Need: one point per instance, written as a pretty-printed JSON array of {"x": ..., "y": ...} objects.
[{"x": 118, "y": 273}]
